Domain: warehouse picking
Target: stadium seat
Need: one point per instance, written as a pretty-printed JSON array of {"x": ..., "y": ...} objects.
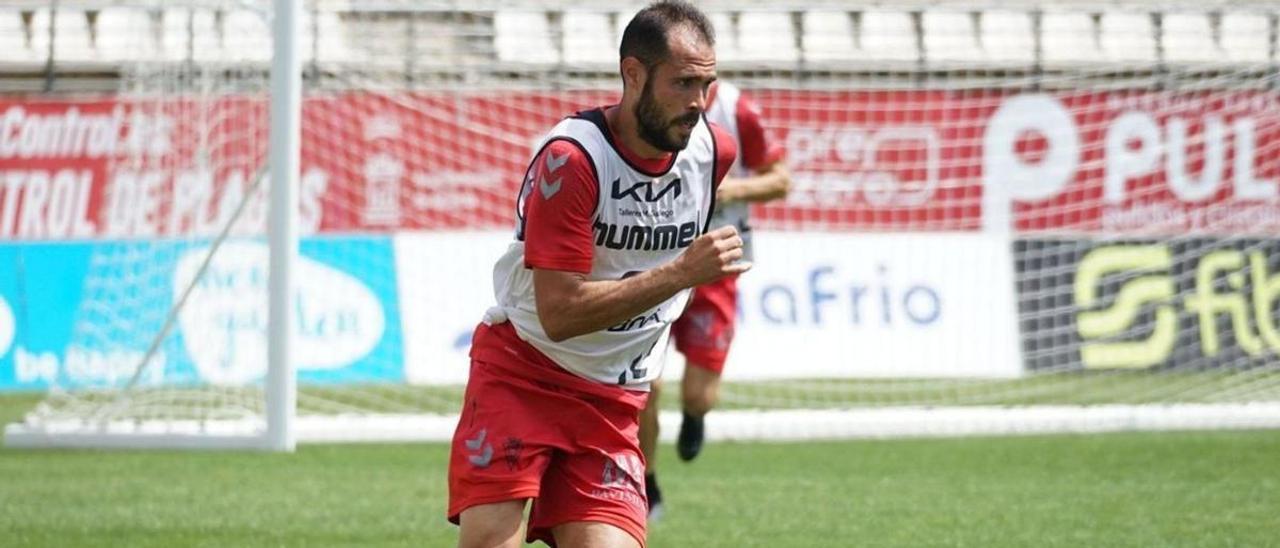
[
  {"x": 620, "y": 21},
  {"x": 14, "y": 45},
  {"x": 1128, "y": 36},
  {"x": 246, "y": 36},
  {"x": 1007, "y": 36},
  {"x": 323, "y": 38},
  {"x": 205, "y": 35},
  {"x": 71, "y": 39},
  {"x": 524, "y": 37},
  {"x": 126, "y": 34},
  {"x": 1188, "y": 37},
  {"x": 827, "y": 36},
  {"x": 381, "y": 42},
  {"x": 1069, "y": 38},
  {"x": 767, "y": 36},
  {"x": 1245, "y": 37},
  {"x": 888, "y": 36},
  {"x": 307, "y": 36},
  {"x": 950, "y": 36},
  {"x": 727, "y": 49},
  {"x": 589, "y": 38},
  {"x": 41, "y": 21},
  {"x": 175, "y": 36}
]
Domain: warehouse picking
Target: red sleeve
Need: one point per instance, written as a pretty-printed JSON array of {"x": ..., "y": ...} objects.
[
  {"x": 559, "y": 209},
  {"x": 726, "y": 152},
  {"x": 758, "y": 151}
]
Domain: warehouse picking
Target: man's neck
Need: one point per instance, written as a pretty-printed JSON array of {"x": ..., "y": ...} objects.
[{"x": 626, "y": 129}]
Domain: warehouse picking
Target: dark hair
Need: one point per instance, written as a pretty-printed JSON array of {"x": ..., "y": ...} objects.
[{"x": 646, "y": 35}]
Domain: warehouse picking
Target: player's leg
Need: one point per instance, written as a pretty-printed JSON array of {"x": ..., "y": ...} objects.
[
  {"x": 597, "y": 479},
  {"x": 649, "y": 446},
  {"x": 704, "y": 341},
  {"x": 498, "y": 457},
  {"x": 591, "y": 495},
  {"x": 699, "y": 390},
  {"x": 496, "y": 525},
  {"x": 591, "y": 534}
]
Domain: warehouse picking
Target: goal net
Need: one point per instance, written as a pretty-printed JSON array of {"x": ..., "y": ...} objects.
[{"x": 1001, "y": 220}]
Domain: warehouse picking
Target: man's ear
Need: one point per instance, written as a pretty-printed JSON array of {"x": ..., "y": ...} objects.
[{"x": 634, "y": 73}]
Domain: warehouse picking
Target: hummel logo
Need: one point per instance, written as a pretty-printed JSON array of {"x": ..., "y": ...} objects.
[
  {"x": 548, "y": 190},
  {"x": 554, "y": 163},
  {"x": 481, "y": 459},
  {"x": 475, "y": 443}
]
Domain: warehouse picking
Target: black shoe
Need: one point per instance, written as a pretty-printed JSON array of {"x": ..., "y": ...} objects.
[
  {"x": 654, "y": 496},
  {"x": 689, "y": 443}
]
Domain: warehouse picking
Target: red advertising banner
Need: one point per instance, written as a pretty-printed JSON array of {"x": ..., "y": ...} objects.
[
  {"x": 1138, "y": 163},
  {"x": 1120, "y": 162}
]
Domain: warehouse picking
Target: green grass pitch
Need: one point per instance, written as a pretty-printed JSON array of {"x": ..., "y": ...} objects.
[{"x": 1140, "y": 490}]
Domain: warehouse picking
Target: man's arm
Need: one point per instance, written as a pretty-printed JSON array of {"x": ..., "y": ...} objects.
[
  {"x": 569, "y": 305},
  {"x": 770, "y": 183}
]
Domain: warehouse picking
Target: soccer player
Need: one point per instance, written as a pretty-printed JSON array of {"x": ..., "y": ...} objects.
[
  {"x": 611, "y": 235},
  {"x": 704, "y": 332}
]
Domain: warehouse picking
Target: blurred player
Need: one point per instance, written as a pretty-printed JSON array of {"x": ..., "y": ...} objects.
[
  {"x": 703, "y": 333},
  {"x": 612, "y": 234}
]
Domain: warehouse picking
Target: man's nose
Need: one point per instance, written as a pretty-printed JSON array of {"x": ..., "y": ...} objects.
[{"x": 699, "y": 101}]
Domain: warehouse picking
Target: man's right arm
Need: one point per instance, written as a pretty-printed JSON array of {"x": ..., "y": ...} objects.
[
  {"x": 559, "y": 246},
  {"x": 569, "y": 305}
]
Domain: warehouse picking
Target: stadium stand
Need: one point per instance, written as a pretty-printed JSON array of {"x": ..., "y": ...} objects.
[
  {"x": 589, "y": 38},
  {"x": 1196, "y": 41},
  {"x": 1007, "y": 36},
  {"x": 827, "y": 35},
  {"x": 888, "y": 36},
  {"x": 1249, "y": 37},
  {"x": 489, "y": 41},
  {"x": 951, "y": 36},
  {"x": 1068, "y": 38},
  {"x": 1127, "y": 36}
]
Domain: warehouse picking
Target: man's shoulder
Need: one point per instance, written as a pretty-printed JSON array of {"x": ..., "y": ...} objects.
[
  {"x": 564, "y": 147},
  {"x": 589, "y": 120},
  {"x": 581, "y": 131}
]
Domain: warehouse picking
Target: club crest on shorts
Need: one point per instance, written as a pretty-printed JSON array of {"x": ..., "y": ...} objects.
[{"x": 622, "y": 478}]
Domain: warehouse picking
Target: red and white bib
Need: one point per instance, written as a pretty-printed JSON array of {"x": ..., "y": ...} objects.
[
  {"x": 740, "y": 118},
  {"x": 643, "y": 217}
]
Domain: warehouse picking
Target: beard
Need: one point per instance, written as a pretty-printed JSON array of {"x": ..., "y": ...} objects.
[{"x": 657, "y": 131}]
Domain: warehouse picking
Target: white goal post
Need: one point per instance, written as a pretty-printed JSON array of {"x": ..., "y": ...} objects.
[{"x": 1004, "y": 220}]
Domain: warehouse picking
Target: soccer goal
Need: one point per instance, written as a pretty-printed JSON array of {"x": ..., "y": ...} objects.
[{"x": 1002, "y": 221}]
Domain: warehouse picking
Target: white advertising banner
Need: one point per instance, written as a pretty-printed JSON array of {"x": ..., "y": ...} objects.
[
  {"x": 876, "y": 305},
  {"x": 446, "y": 283},
  {"x": 814, "y": 306}
]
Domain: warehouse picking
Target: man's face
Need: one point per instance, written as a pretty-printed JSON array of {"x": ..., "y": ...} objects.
[{"x": 675, "y": 92}]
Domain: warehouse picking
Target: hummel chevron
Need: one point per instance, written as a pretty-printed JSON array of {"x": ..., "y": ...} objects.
[
  {"x": 483, "y": 457},
  {"x": 548, "y": 189}
]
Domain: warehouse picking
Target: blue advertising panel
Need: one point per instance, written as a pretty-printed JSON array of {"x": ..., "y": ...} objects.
[{"x": 85, "y": 315}]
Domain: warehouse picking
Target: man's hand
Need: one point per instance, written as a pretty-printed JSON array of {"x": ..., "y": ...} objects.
[{"x": 712, "y": 256}]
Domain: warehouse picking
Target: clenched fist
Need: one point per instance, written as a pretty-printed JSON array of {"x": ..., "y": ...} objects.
[{"x": 713, "y": 255}]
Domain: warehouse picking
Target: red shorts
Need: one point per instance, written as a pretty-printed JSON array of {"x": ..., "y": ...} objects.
[
  {"x": 705, "y": 330},
  {"x": 531, "y": 430}
]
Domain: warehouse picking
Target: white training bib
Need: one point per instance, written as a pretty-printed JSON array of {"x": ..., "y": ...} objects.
[{"x": 642, "y": 221}]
